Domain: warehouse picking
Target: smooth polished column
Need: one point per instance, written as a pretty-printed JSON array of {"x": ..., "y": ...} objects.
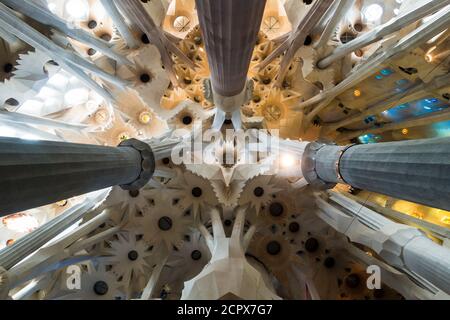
[
  {"x": 230, "y": 29},
  {"x": 413, "y": 170},
  {"x": 36, "y": 173}
]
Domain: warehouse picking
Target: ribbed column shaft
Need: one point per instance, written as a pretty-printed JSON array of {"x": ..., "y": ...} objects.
[
  {"x": 415, "y": 170},
  {"x": 36, "y": 173},
  {"x": 230, "y": 29}
]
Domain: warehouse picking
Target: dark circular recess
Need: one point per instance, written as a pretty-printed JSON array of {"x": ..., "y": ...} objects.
[
  {"x": 352, "y": 281},
  {"x": 409, "y": 70},
  {"x": 276, "y": 209},
  {"x": 256, "y": 99},
  {"x": 133, "y": 193},
  {"x": 92, "y": 24},
  {"x": 91, "y": 51},
  {"x": 165, "y": 223},
  {"x": 273, "y": 248},
  {"x": 187, "y": 120},
  {"x": 266, "y": 81},
  {"x": 196, "y": 255},
  {"x": 347, "y": 37},
  {"x": 329, "y": 262},
  {"x": 359, "y": 53},
  {"x": 286, "y": 84},
  {"x": 311, "y": 245},
  {"x": 358, "y": 27},
  {"x": 308, "y": 41},
  {"x": 8, "y": 67},
  {"x": 106, "y": 36},
  {"x": 133, "y": 255},
  {"x": 227, "y": 223},
  {"x": 228, "y": 121},
  {"x": 145, "y": 77},
  {"x": 165, "y": 161},
  {"x": 197, "y": 192},
  {"x": 145, "y": 39},
  {"x": 294, "y": 227},
  {"x": 12, "y": 102},
  {"x": 101, "y": 288},
  {"x": 258, "y": 192},
  {"x": 187, "y": 80},
  {"x": 197, "y": 40},
  {"x": 308, "y": 2}
]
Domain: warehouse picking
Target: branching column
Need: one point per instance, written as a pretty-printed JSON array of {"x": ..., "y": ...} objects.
[
  {"x": 36, "y": 173},
  {"x": 415, "y": 170}
]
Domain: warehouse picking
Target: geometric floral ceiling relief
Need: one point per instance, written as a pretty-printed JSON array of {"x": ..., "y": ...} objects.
[{"x": 226, "y": 149}]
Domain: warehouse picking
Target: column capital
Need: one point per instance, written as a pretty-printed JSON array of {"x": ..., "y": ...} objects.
[
  {"x": 320, "y": 164},
  {"x": 147, "y": 164}
]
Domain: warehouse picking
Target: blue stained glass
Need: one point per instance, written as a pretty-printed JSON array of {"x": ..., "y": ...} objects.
[
  {"x": 442, "y": 129},
  {"x": 386, "y": 72},
  {"x": 415, "y": 109},
  {"x": 402, "y": 82},
  {"x": 369, "y": 138}
]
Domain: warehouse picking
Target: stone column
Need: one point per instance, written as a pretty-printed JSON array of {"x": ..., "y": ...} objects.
[
  {"x": 413, "y": 170},
  {"x": 36, "y": 173},
  {"x": 402, "y": 246},
  {"x": 230, "y": 29},
  {"x": 29, "y": 243}
]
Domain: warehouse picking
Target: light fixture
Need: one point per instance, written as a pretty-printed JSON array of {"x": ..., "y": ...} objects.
[
  {"x": 429, "y": 55},
  {"x": 181, "y": 23},
  {"x": 77, "y": 9},
  {"x": 357, "y": 93},
  {"x": 287, "y": 160},
  {"x": 373, "y": 12},
  {"x": 145, "y": 117},
  {"x": 405, "y": 131}
]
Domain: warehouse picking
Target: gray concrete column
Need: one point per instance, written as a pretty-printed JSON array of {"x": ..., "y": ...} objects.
[
  {"x": 230, "y": 29},
  {"x": 36, "y": 173},
  {"x": 414, "y": 170}
]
